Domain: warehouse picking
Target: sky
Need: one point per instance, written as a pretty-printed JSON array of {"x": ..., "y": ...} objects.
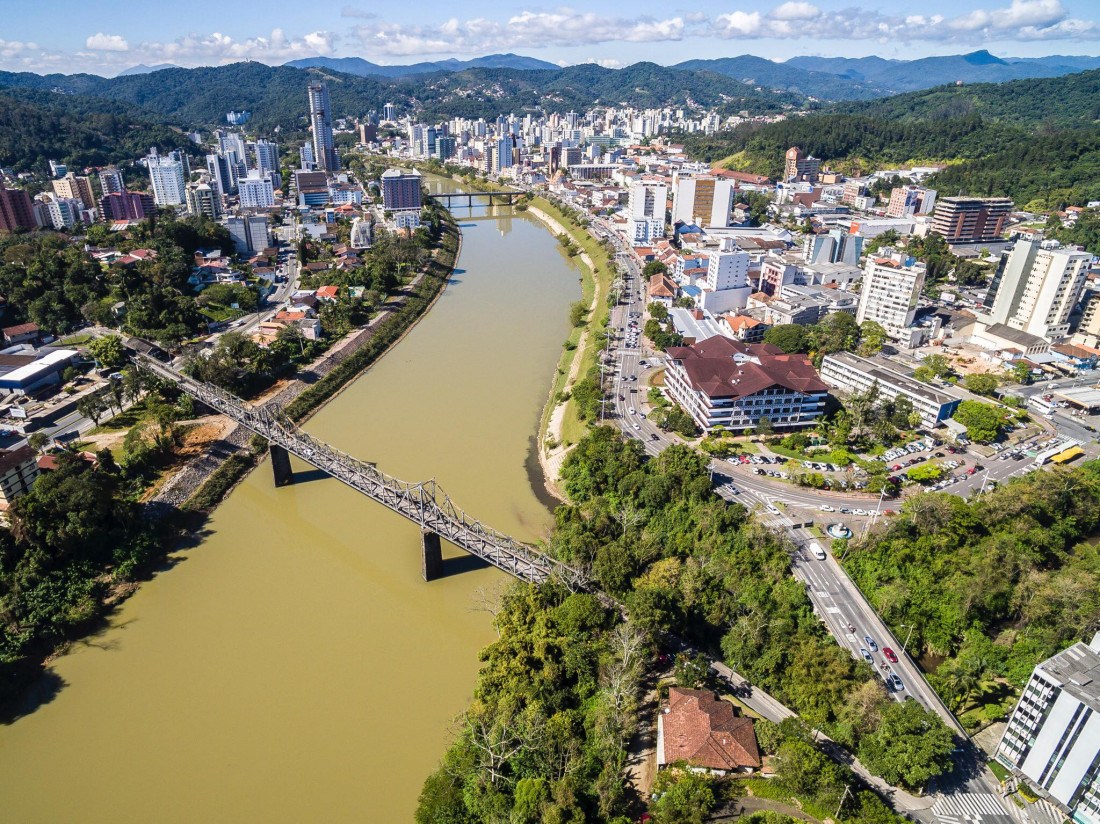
[{"x": 106, "y": 36}]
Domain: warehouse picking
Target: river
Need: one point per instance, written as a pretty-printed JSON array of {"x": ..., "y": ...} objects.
[{"x": 294, "y": 666}]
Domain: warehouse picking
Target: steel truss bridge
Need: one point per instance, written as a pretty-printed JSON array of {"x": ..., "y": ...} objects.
[
  {"x": 449, "y": 198},
  {"x": 424, "y": 503}
]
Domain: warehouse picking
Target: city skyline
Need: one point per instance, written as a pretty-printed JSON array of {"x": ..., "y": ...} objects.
[{"x": 69, "y": 37}]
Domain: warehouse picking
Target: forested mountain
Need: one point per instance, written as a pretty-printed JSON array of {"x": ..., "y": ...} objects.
[
  {"x": 364, "y": 68},
  {"x": 787, "y": 77},
  {"x": 894, "y": 76},
  {"x": 1062, "y": 101},
  {"x": 36, "y": 126},
  {"x": 987, "y": 132},
  {"x": 276, "y": 94}
]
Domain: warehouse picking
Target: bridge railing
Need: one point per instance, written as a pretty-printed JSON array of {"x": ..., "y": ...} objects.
[{"x": 425, "y": 503}]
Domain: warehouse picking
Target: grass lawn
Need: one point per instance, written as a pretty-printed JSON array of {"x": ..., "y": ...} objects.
[
  {"x": 999, "y": 770},
  {"x": 125, "y": 420},
  {"x": 78, "y": 339},
  {"x": 596, "y": 283}
]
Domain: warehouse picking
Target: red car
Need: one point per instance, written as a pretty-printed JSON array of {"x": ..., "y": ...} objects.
[{"x": 890, "y": 655}]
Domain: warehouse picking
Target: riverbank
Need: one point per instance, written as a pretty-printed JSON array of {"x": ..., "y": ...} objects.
[
  {"x": 324, "y": 379},
  {"x": 560, "y": 425},
  {"x": 184, "y": 501}
]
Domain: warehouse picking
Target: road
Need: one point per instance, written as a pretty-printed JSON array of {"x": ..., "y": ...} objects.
[{"x": 836, "y": 599}]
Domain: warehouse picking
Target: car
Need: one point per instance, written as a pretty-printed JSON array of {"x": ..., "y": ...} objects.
[
  {"x": 757, "y": 471},
  {"x": 894, "y": 683},
  {"x": 653, "y": 436},
  {"x": 827, "y": 508},
  {"x": 937, "y": 455},
  {"x": 637, "y": 426},
  {"x": 889, "y": 655},
  {"x": 846, "y": 511},
  {"x": 743, "y": 459},
  {"x": 870, "y": 642},
  {"x": 860, "y": 512},
  {"x": 866, "y": 656},
  {"x": 773, "y": 509},
  {"x": 631, "y": 411}
]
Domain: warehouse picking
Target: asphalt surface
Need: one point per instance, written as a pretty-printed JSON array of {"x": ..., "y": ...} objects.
[{"x": 836, "y": 599}]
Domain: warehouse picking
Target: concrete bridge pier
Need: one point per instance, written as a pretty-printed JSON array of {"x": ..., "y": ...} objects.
[
  {"x": 433, "y": 555},
  {"x": 280, "y": 463}
]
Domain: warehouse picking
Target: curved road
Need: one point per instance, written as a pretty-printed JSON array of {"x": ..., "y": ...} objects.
[{"x": 836, "y": 599}]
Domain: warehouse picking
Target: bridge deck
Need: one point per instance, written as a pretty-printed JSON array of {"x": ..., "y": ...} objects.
[{"x": 425, "y": 503}]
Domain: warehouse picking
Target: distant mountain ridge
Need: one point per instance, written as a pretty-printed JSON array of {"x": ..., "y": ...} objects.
[
  {"x": 141, "y": 68},
  {"x": 364, "y": 68},
  {"x": 864, "y": 78}
]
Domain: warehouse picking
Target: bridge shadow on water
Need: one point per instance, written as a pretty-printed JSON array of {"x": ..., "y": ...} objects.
[
  {"x": 459, "y": 564},
  {"x": 305, "y": 476}
]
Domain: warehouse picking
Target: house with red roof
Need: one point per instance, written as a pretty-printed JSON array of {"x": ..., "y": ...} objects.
[
  {"x": 662, "y": 289},
  {"x": 724, "y": 382},
  {"x": 697, "y": 728}
]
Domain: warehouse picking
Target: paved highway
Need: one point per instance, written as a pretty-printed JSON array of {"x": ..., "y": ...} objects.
[{"x": 836, "y": 599}]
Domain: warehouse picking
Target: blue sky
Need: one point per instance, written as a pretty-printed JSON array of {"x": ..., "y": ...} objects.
[{"x": 106, "y": 37}]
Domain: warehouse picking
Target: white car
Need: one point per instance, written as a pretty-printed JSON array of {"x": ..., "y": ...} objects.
[
  {"x": 631, "y": 410},
  {"x": 773, "y": 510},
  {"x": 827, "y": 508}
]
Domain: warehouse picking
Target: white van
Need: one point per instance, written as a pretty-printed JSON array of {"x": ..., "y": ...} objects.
[{"x": 817, "y": 550}]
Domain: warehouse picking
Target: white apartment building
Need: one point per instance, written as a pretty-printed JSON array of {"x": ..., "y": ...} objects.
[
  {"x": 256, "y": 192},
  {"x": 1053, "y": 736},
  {"x": 891, "y": 288},
  {"x": 727, "y": 286},
  {"x": 1037, "y": 289},
  {"x": 723, "y": 382},
  {"x": 168, "y": 178},
  {"x": 18, "y": 469},
  {"x": 647, "y": 211},
  {"x": 851, "y": 373},
  {"x": 702, "y": 200}
]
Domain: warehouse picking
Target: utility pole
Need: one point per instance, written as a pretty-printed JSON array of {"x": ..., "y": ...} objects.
[
  {"x": 847, "y": 792},
  {"x": 909, "y": 635}
]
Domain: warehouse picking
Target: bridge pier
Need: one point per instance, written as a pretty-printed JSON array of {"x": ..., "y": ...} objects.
[
  {"x": 280, "y": 463},
  {"x": 433, "y": 555}
]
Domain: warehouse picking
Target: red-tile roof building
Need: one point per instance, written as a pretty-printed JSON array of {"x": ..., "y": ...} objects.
[
  {"x": 698, "y": 728},
  {"x": 724, "y": 382}
]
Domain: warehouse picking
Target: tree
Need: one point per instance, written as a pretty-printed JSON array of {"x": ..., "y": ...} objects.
[
  {"x": 981, "y": 384},
  {"x": 872, "y": 337},
  {"x": 838, "y": 332},
  {"x": 108, "y": 351},
  {"x": 654, "y": 267},
  {"x": 789, "y": 337},
  {"x": 983, "y": 421},
  {"x": 578, "y": 313},
  {"x": 940, "y": 366},
  {"x": 691, "y": 670},
  {"x": 1021, "y": 372},
  {"x": 910, "y": 746},
  {"x": 682, "y": 797},
  {"x": 925, "y": 473},
  {"x": 764, "y": 426}
]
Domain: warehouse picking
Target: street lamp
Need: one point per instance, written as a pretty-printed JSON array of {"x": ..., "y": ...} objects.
[{"x": 905, "y": 645}]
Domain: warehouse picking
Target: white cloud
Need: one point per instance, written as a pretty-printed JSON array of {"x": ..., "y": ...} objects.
[
  {"x": 107, "y": 42},
  {"x": 795, "y": 11},
  {"x": 536, "y": 29}
]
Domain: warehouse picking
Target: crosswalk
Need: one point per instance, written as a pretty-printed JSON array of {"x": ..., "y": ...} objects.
[{"x": 971, "y": 808}]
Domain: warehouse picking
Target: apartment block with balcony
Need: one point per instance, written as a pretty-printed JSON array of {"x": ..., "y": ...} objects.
[
  {"x": 1052, "y": 738},
  {"x": 723, "y": 382}
]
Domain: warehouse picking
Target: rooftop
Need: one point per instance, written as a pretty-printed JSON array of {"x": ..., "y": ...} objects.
[
  {"x": 699, "y": 728},
  {"x": 885, "y": 372},
  {"x": 1077, "y": 669},
  {"x": 725, "y": 368}
]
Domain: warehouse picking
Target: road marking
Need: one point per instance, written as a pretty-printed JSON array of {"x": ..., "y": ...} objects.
[{"x": 833, "y": 610}]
